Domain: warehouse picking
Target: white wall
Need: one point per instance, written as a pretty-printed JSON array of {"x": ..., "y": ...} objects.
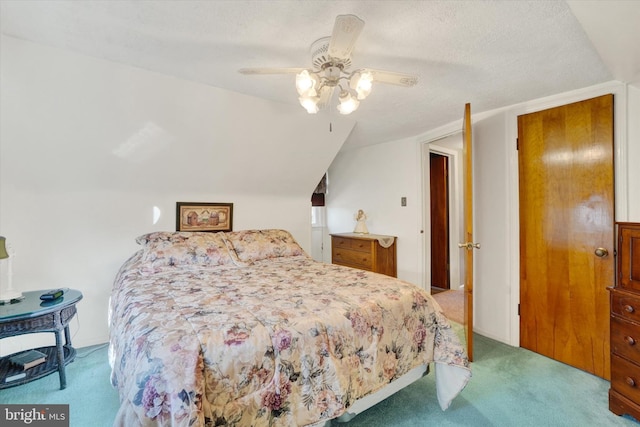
[
  {"x": 88, "y": 148},
  {"x": 374, "y": 179},
  {"x": 633, "y": 151},
  {"x": 496, "y": 287}
]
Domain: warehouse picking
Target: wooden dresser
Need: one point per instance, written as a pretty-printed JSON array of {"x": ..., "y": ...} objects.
[
  {"x": 372, "y": 252},
  {"x": 624, "y": 394}
]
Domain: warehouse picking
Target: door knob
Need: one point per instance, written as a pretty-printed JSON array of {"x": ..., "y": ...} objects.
[
  {"x": 469, "y": 246},
  {"x": 601, "y": 252}
]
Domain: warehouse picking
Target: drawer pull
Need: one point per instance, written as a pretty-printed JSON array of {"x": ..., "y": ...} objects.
[
  {"x": 630, "y": 382},
  {"x": 630, "y": 340},
  {"x": 629, "y": 309}
]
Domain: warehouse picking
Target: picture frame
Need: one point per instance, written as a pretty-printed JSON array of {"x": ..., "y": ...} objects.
[{"x": 196, "y": 216}]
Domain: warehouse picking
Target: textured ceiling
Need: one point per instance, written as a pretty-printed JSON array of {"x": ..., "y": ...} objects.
[{"x": 489, "y": 53}]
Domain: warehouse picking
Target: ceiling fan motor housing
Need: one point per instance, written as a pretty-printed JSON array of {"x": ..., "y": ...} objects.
[{"x": 320, "y": 56}]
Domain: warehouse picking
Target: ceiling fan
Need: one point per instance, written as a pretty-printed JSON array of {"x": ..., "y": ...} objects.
[{"x": 331, "y": 59}]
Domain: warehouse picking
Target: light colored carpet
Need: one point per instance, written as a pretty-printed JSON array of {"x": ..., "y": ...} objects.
[
  {"x": 452, "y": 303},
  {"x": 510, "y": 387},
  {"x": 91, "y": 399}
]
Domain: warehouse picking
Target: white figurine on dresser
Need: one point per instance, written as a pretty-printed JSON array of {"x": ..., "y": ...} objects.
[{"x": 361, "y": 225}]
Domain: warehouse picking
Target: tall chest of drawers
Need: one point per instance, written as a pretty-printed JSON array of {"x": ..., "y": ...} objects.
[
  {"x": 624, "y": 394},
  {"x": 370, "y": 252}
]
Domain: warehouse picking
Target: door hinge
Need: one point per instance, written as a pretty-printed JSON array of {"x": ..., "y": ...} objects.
[
  {"x": 518, "y": 309},
  {"x": 517, "y": 144}
]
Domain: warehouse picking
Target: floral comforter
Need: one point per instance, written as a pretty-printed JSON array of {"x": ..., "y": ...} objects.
[{"x": 283, "y": 341}]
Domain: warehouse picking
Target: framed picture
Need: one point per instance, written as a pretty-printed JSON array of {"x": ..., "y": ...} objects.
[{"x": 204, "y": 216}]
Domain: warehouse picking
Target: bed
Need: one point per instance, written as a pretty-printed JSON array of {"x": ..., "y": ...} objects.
[{"x": 245, "y": 329}]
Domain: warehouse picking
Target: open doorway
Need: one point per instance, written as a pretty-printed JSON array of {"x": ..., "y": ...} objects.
[
  {"x": 439, "y": 207},
  {"x": 442, "y": 175},
  {"x": 318, "y": 231},
  {"x": 318, "y": 221},
  {"x": 444, "y": 209}
]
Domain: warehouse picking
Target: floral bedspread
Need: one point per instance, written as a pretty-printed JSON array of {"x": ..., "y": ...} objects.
[{"x": 282, "y": 342}]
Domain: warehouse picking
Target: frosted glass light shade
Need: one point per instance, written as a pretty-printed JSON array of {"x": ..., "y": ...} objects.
[
  {"x": 306, "y": 83},
  {"x": 348, "y": 102},
  {"x": 362, "y": 84}
]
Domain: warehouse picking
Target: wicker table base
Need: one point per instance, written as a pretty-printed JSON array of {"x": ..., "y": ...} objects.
[
  {"x": 29, "y": 316},
  {"x": 7, "y": 369}
]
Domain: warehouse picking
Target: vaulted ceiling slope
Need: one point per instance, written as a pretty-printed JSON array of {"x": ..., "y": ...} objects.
[{"x": 490, "y": 53}]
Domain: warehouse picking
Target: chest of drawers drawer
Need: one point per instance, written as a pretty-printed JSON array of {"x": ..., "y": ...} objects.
[
  {"x": 625, "y": 339},
  {"x": 352, "y": 258},
  {"x": 625, "y": 377},
  {"x": 352, "y": 244},
  {"x": 626, "y": 305}
]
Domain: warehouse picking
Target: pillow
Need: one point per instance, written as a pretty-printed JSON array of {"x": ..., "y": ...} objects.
[
  {"x": 162, "y": 249},
  {"x": 256, "y": 245}
]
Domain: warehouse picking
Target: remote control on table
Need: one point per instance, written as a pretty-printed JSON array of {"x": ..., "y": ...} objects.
[{"x": 52, "y": 294}]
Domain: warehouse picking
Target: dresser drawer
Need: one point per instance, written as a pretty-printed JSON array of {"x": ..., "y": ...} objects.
[
  {"x": 625, "y": 377},
  {"x": 353, "y": 258},
  {"x": 625, "y": 305},
  {"x": 353, "y": 244},
  {"x": 625, "y": 339}
]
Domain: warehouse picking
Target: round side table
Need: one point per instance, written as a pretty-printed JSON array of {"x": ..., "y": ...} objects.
[{"x": 31, "y": 315}]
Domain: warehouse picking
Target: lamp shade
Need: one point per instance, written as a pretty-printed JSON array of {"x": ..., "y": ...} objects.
[{"x": 3, "y": 248}]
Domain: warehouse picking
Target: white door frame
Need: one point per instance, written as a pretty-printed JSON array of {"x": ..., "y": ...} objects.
[
  {"x": 446, "y": 146},
  {"x": 621, "y": 174}
]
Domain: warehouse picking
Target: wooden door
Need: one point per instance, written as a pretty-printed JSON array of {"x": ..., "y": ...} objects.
[
  {"x": 565, "y": 160},
  {"x": 439, "y": 199},
  {"x": 469, "y": 245}
]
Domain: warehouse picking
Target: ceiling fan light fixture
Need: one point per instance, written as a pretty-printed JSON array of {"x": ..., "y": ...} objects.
[
  {"x": 307, "y": 83},
  {"x": 348, "y": 102},
  {"x": 361, "y": 82}
]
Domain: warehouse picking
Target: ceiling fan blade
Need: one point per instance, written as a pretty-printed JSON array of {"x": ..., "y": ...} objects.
[
  {"x": 345, "y": 33},
  {"x": 392, "y": 77},
  {"x": 270, "y": 70},
  {"x": 326, "y": 93}
]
